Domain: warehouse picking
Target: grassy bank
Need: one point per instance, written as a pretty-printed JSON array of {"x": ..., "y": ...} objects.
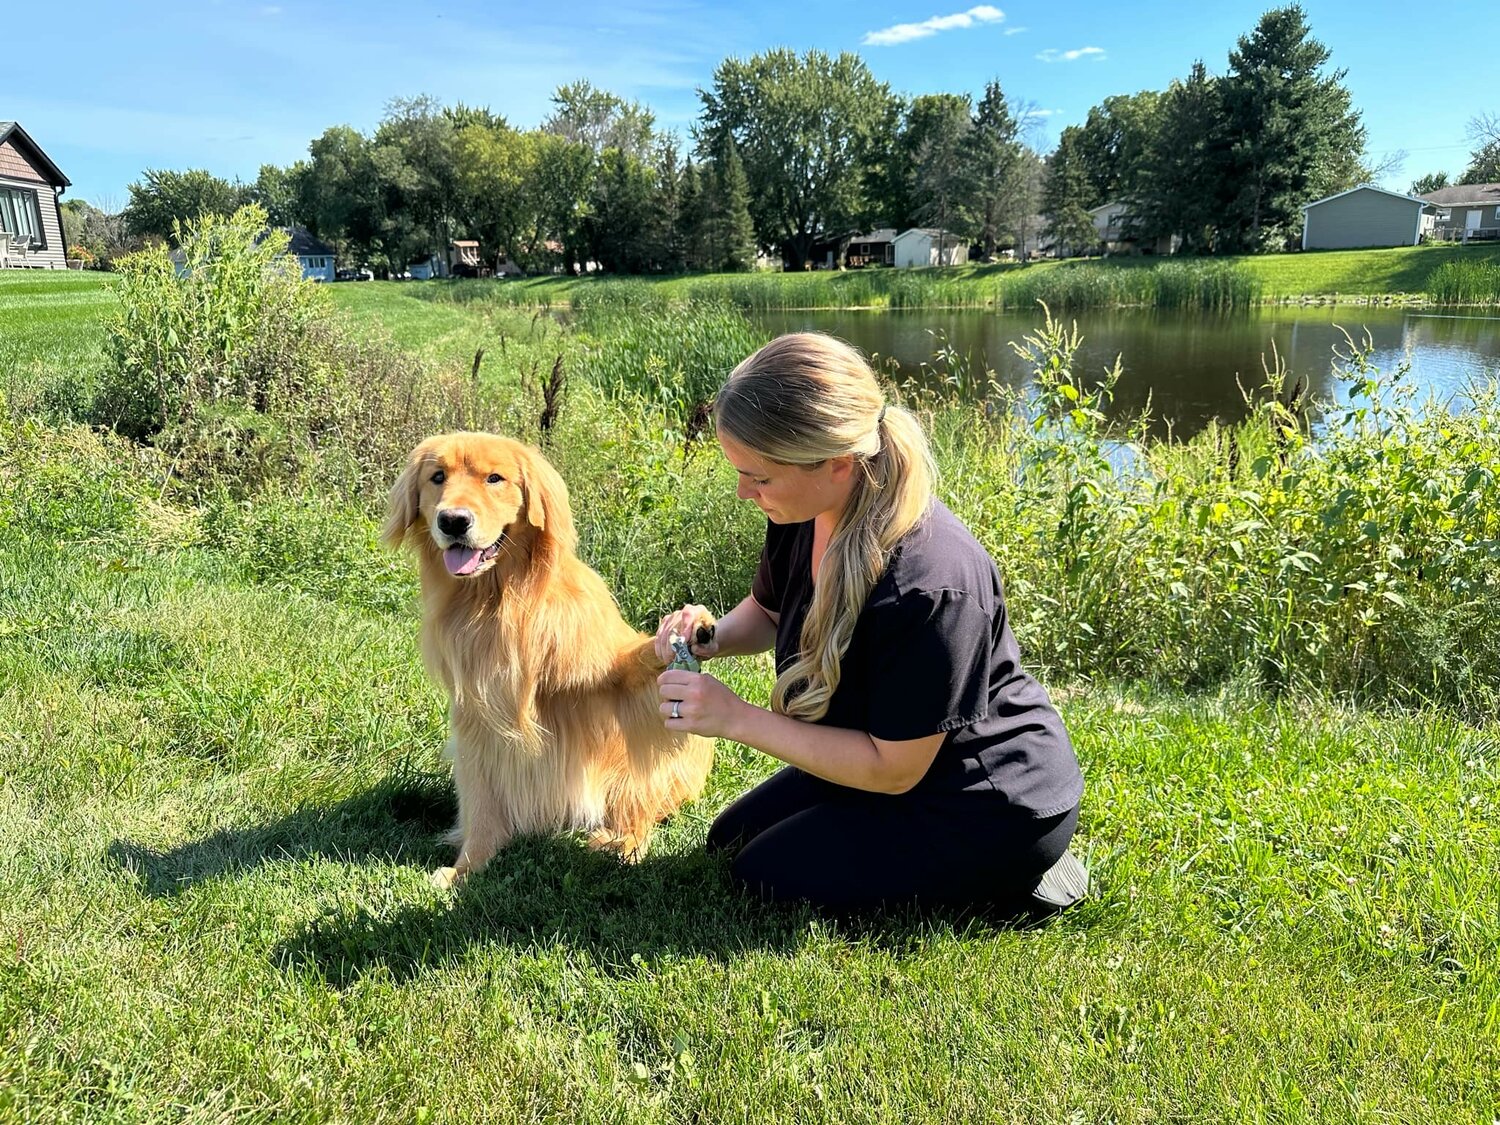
[
  {"x": 1414, "y": 274},
  {"x": 221, "y": 782}
]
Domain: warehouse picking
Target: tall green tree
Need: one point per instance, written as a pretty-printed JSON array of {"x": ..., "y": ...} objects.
[
  {"x": 1183, "y": 184},
  {"x": 493, "y": 163},
  {"x": 279, "y": 192},
  {"x": 599, "y": 120},
  {"x": 1067, "y": 195},
  {"x": 1293, "y": 131},
  {"x": 729, "y": 232},
  {"x": 936, "y": 142},
  {"x": 1114, "y": 144},
  {"x": 995, "y": 163},
  {"x": 804, "y": 128},
  {"x": 343, "y": 196},
  {"x": 418, "y": 157},
  {"x": 163, "y": 197}
]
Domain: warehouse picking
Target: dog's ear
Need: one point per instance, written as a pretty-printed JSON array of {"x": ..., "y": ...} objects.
[
  {"x": 401, "y": 506},
  {"x": 547, "y": 507}
]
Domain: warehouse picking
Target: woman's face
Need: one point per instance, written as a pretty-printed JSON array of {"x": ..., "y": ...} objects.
[{"x": 790, "y": 493}]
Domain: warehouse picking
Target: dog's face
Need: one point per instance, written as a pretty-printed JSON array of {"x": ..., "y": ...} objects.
[{"x": 477, "y": 496}]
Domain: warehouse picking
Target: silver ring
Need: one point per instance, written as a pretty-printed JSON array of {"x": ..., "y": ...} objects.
[{"x": 676, "y": 708}]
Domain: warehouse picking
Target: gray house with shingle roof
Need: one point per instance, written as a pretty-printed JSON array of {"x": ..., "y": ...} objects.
[
  {"x": 1464, "y": 211},
  {"x": 30, "y": 215}
]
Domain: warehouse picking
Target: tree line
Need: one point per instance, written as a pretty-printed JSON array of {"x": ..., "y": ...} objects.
[{"x": 792, "y": 151}]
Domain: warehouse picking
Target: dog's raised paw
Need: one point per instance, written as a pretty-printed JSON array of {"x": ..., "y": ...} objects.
[{"x": 444, "y": 878}]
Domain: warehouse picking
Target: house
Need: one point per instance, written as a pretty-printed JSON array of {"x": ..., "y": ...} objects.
[
  {"x": 1463, "y": 212},
  {"x": 30, "y": 215},
  {"x": 1112, "y": 221},
  {"x": 925, "y": 246},
  {"x": 1362, "y": 217},
  {"x": 315, "y": 255},
  {"x": 874, "y": 249}
]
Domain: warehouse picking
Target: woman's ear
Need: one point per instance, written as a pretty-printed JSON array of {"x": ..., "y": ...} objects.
[
  {"x": 402, "y": 507},
  {"x": 547, "y": 507}
]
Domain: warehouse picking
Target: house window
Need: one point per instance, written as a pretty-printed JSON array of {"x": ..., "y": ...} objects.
[
  {"x": 1444, "y": 214},
  {"x": 19, "y": 215}
]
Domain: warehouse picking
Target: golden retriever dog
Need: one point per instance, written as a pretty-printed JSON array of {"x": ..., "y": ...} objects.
[{"x": 555, "y": 725}]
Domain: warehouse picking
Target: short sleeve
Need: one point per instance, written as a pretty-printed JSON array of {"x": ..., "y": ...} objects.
[
  {"x": 770, "y": 585},
  {"x": 930, "y": 669}
]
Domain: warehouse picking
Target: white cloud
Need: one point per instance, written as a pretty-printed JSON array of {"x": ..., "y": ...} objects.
[
  {"x": 1041, "y": 112},
  {"x": 1015, "y": 30},
  {"x": 906, "y": 32},
  {"x": 1051, "y": 54}
]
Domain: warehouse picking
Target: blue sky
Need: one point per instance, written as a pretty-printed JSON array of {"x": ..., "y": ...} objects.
[{"x": 109, "y": 89}]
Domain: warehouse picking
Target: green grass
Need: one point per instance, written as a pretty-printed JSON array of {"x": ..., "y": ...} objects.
[
  {"x": 221, "y": 789},
  {"x": 220, "y": 803},
  {"x": 1337, "y": 275}
]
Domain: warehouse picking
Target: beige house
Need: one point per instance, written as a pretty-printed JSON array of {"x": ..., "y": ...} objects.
[
  {"x": 1362, "y": 217},
  {"x": 1463, "y": 212},
  {"x": 1111, "y": 220},
  {"x": 31, "y": 232}
]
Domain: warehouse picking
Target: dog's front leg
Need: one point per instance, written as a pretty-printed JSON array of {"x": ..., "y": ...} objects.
[{"x": 483, "y": 828}]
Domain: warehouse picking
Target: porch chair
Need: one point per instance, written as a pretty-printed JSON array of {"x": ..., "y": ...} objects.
[{"x": 20, "y": 246}]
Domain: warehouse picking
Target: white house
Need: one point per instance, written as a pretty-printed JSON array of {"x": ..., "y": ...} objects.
[
  {"x": 924, "y": 246},
  {"x": 31, "y": 231},
  {"x": 315, "y": 255}
]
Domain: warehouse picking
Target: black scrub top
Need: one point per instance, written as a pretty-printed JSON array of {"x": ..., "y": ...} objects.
[{"x": 933, "y": 651}]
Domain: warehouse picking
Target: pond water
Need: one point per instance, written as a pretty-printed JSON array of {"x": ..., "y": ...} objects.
[{"x": 1190, "y": 366}]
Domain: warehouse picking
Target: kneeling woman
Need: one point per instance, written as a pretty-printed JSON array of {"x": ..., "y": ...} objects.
[{"x": 923, "y": 763}]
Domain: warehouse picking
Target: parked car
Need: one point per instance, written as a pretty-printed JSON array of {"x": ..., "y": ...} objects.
[{"x": 353, "y": 275}]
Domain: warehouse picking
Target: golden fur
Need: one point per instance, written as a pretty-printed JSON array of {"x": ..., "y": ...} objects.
[{"x": 555, "y": 719}]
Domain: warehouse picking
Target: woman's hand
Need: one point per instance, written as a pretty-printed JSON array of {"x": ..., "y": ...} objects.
[
  {"x": 696, "y": 703},
  {"x": 689, "y": 623}
]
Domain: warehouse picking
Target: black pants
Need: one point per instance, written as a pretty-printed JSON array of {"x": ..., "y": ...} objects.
[{"x": 795, "y": 836}]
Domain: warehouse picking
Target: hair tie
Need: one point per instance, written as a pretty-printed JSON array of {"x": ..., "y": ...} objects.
[{"x": 881, "y": 419}]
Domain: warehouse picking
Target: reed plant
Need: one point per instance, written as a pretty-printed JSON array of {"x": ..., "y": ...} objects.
[{"x": 1465, "y": 282}]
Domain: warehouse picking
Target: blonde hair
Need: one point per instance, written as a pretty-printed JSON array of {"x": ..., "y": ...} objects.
[{"x": 801, "y": 399}]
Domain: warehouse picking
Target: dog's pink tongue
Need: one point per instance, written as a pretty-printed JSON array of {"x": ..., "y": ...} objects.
[{"x": 460, "y": 560}]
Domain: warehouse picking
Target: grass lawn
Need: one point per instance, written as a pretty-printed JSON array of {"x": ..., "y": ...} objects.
[
  {"x": 1348, "y": 273},
  {"x": 221, "y": 789}
]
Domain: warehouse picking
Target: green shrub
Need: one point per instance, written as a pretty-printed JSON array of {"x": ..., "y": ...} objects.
[
  {"x": 240, "y": 369},
  {"x": 1465, "y": 283}
]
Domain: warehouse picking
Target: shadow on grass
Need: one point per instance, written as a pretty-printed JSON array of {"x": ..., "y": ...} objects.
[
  {"x": 543, "y": 893},
  {"x": 538, "y": 893},
  {"x": 398, "y": 820}
]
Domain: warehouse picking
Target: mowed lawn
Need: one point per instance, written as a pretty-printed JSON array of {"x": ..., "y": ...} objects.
[{"x": 221, "y": 789}]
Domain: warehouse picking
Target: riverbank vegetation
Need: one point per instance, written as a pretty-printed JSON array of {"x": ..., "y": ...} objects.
[{"x": 222, "y": 782}]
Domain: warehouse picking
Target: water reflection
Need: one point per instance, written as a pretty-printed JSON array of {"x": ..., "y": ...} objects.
[{"x": 1189, "y": 367}]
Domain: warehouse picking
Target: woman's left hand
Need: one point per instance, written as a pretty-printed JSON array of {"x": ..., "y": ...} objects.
[{"x": 697, "y": 703}]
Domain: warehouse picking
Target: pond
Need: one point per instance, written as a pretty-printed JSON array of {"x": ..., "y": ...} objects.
[{"x": 1190, "y": 366}]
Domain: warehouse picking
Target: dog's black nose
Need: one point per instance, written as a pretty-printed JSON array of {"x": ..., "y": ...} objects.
[{"x": 455, "y": 522}]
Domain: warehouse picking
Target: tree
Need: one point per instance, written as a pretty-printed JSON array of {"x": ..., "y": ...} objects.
[
  {"x": 493, "y": 162},
  {"x": 599, "y": 120},
  {"x": 618, "y": 224},
  {"x": 936, "y": 144},
  {"x": 1182, "y": 185},
  {"x": 416, "y": 152},
  {"x": 165, "y": 197},
  {"x": 995, "y": 161},
  {"x": 691, "y": 218},
  {"x": 1066, "y": 194},
  {"x": 804, "y": 128},
  {"x": 1433, "y": 181},
  {"x": 728, "y": 232},
  {"x": 279, "y": 192},
  {"x": 343, "y": 196},
  {"x": 1294, "y": 133},
  {"x": 1484, "y": 160},
  {"x": 1114, "y": 144}
]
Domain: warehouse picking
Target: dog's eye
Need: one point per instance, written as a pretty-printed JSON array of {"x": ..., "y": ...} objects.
[
  {"x": 439, "y": 477},
  {"x": 494, "y": 478}
]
